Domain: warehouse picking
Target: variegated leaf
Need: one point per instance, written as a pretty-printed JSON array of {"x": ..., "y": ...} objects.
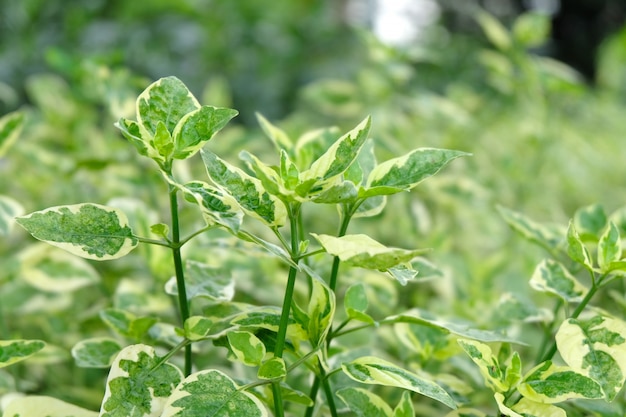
[
  {"x": 127, "y": 324},
  {"x": 218, "y": 207},
  {"x": 529, "y": 408},
  {"x": 198, "y": 127},
  {"x": 321, "y": 309},
  {"x": 609, "y": 248},
  {"x": 552, "y": 277},
  {"x": 247, "y": 348},
  {"x": 96, "y": 352},
  {"x": 540, "y": 234},
  {"x": 275, "y": 134},
  {"x": 43, "y": 406},
  {"x": 405, "y": 406},
  {"x": 202, "y": 280},
  {"x": 364, "y": 403},
  {"x": 576, "y": 248},
  {"x": 9, "y": 209},
  {"x": 273, "y": 369},
  {"x": 488, "y": 364},
  {"x": 12, "y": 351}
]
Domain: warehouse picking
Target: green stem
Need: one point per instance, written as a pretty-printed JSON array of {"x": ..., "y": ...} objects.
[
  {"x": 330, "y": 397},
  {"x": 346, "y": 216},
  {"x": 312, "y": 395},
  {"x": 547, "y": 331},
  {"x": 183, "y": 304},
  {"x": 153, "y": 241}
]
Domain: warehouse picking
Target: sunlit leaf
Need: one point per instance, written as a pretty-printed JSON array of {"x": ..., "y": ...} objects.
[
  {"x": 198, "y": 127},
  {"x": 529, "y": 408},
  {"x": 88, "y": 230},
  {"x": 9, "y": 209},
  {"x": 248, "y": 349},
  {"x": 12, "y": 351},
  {"x": 273, "y": 369},
  {"x": 42, "y": 406},
  {"x": 218, "y": 207},
  {"x": 96, "y": 352},
  {"x": 552, "y": 277},
  {"x": 364, "y": 403}
]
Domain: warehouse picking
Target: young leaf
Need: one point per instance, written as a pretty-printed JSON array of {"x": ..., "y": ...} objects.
[
  {"x": 127, "y": 324},
  {"x": 489, "y": 366},
  {"x": 9, "y": 209},
  {"x": 552, "y": 277},
  {"x": 609, "y": 248},
  {"x": 88, "y": 230},
  {"x": 365, "y": 252},
  {"x": 198, "y": 328},
  {"x": 248, "y": 349},
  {"x": 321, "y": 309},
  {"x": 504, "y": 410},
  {"x": 218, "y": 207},
  {"x": 364, "y": 403},
  {"x": 596, "y": 348},
  {"x": 248, "y": 191},
  {"x": 355, "y": 303},
  {"x": 277, "y": 135},
  {"x": 529, "y": 408},
  {"x": 269, "y": 177},
  {"x": 532, "y": 231},
  {"x": 138, "y": 384},
  {"x": 406, "y": 172},
  {"x": 212, "y": 393},
  {"x": 576, "y": 248},
  {"x": 371, "y": 370},
  {"x": 198, "y": 127},
  {"x": 10, "y": 128},
  {"x": 549, "y": 383},
  {"x": 12, "y": 351},
  {"x": 203, "y": 280},
  {"x": 42, "y": 406},
  {"x": 404, "y": 407},
  {"x": 97, "y": 352},
  {"x": 273, "y": 369}
]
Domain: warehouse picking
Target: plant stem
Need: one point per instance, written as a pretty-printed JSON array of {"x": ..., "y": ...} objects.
[
  {"x": 180, "y": 273},
  {"x": 329, "y": 393},
  {"x": 345, "y": 221}
]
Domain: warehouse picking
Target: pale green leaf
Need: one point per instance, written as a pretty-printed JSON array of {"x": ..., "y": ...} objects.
[
  {"x": 403, "y": 273},
  {"x": 127, "y": 324},
  {"x": 589, "y": 222},
  {"x": 50, "y": 269},
  {"x": 269, "y": 177},
  {"x": 247, "y": 348},
  {"x": 88, "y": 230},
  {"x": 372, "y": 370},
  {"x": 138, "y": 384},
  {"x": 275, "y": 134},
  {"x": 531, "y": 29},
  {"x": 211, "y": 393},
  {"x": 405, "y": 172},
  {"x": 372, "y": 206},
  {"x": 10, "y": 127},
  {"x": 405, "y": 406},
  {"x": 276, "y": 250},
  {"x": 340, "y": 192},
  {"x": 312, "y": 145},
  {"x": 160, "y": 229},
  {"x": 9, "y": 209},
  {"x": 294, "y": 396},
  {"x": 321, "y": 309},
  {"x": 139, "y": 138},
  {"x": 97, "y": 352},
  {"x": 202, "y": 280},
  {"x": 529, "y": 408},
  {"x": 466, "y": 412},
  {"x": 268, "y": 318},
  {"x": 494, "y": 30},
  {"x": 532, "y": 231},
  {"x": 488, "y": 364},
  {"x": 12, "y": 351},
  {"x": 552, "y": 277},
  {"x": 289, "y": 172},
  {"x": 162, "y": 142},
  {"x": 363, "y": 251},
  {"x": 42, "y": 406},
  {"x": 504, "y": 410},
  {"x": 549, "y": 383},
  {"x": 198, "y": 127},
  {"x": 364, "y": 403},
  {"x": 609, "y": 248},
  {"x": 217, "y": 207},
  {"x": 273, "y": 369},
  {"x": 198, "y": 327},
  {"x": 596, "y": 348},
  {"x": 576, "y": 248},
  {"x": 248, "y": 191},
  {"x": 355, "y": 303}
]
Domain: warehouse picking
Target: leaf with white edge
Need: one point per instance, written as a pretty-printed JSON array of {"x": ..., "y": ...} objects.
[
  {"x": 589, "y": 222},
  {"x": 364, "y": 403},
  {"x": 49, "y": 269},
  {"x": 355, "y": 303},
  {"x": 295, "y": 396},
  {"x": 275, "y": 134},
  {"x": 405, "y": 406},
  {"x": 166, "y": 101},
  {"x": 88, "y": 230},
  {"x": 9, "y": 210},
  {"x": 97, "y": 352},
  {"x": 218, "y": 207},
  {"x": 321, "y": 309},
  {"x": 535, "y": 232},
  {"x": 248, "y": 349},
  {"x": 289, "y": 172},
  {"x": 372, "y": 370},
  {"x": 466, "y": 412},
  {"x": 10, "y": 128},
  {"x": 279, "y": 252},
  {"x": 552, "y": 277},
  {"x": 268, "y": 318},
  {"x": 139, "y": 384},
  {"x": 198, "y": 127},
  {"x": 198, "y": 327},
  {"x": 202, "y": 280},
  {"x": 609, "y": 248},
  {"x": 211, "y": 393},
  {"x": 163, "y": 142},
  {"x": 12, "y": 351},
  {"x": 462, "y": 329},
  {"x": 246, "y": 190},
  {"x": 504, "y": 410},
  {"x": 403, "y": 273},
  {"x": 372, "y": 206},
  {"x": 596, "y": 348},
  {"x": 363, "y": 251},
  {"x": 576, "y": 248},
  {"x": 127, "y": 324},
  {"x": 273, "y": 369},
  {"x": 341, "y": 192},
  {"x": 489, "y": 366},
  {"x": 139, "y": 138},
  {"x": 42, "y": 406},
  {"x": 339, "y": 156},
  {"x": 529, "y": 408},
  {"x": 312, "y": 145},
  {"x": 406, "y": 172},
  {"x": 269, "y": 177},
  {"x": 360, "y": 169},
  {"x": 549, "y": 383}
]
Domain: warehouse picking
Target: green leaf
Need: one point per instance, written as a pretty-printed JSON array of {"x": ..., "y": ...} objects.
[
  {"x": 160, "y": 229},
  {"x": 589, "y": 222},
  {"x": 139, "y": 138},
  {"x": 363, "y": 251},
  {"x": 532, "y": 231},
  {"x": 504, "y": 410},
  {"x": 273, "y": 369},
  {"x": 596, "y": 348},
  {"x": 488, "y": 364},
  {"x": 529, "y": 408},
  {"x": 9, "y": 209},
  {"x": 275, "y": 250},
  {"x": 42, "y": 406},
  {"x": 217, "y": 207},
  {"x": 268, "y": 318},
  {"x": 405, "y": 406},
  {"x": 531, "y": 29},
  {"x": 88, "y": 230},
  {"x": 576, "y": 248},
  {"x": 403, "y": 273},
  {"x": 97, "y": 352},
  {"x": 294, "y": 396},
  {"x": 405, "y": 172},
  {"x": 198, "y": 127},
  {"x": 278, "y": 136},
  {"x": 248, "y": 349},
  {"x": 198, "y": 328},
  {"x": 609, "y": 248},
  {"x": 163, "y": 142},
  {"x": 552, "y": 277},
  {"x": 340, "y": 192},
  {"x": 127, "y": 324},
  {"x": 248, "y": 191},
  {"x": 355, "y": 303},
  {"x": 466, "y": 412},
  {"x": 321, "y": 309},
  {"x": 12, "y": 351},
  {"x": 202, "y": 280},
  {"x": 372, "y": 206},
  {"x": 312, "y": 145},
  {"x": 50, "y": 269},
  {"x": 371, "y": 370},
  {"x": 364, "y": 403},
  {"x": 494, "y": 30},
  {"x": 549, "y": 383},
  {"x": 138, "y": 384},
  {"x": 269, "y": 177},
  {"x": 289, "y": 172},
  {"x": 211, "y": 393},
  {"x": 10, "y": 127}
]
